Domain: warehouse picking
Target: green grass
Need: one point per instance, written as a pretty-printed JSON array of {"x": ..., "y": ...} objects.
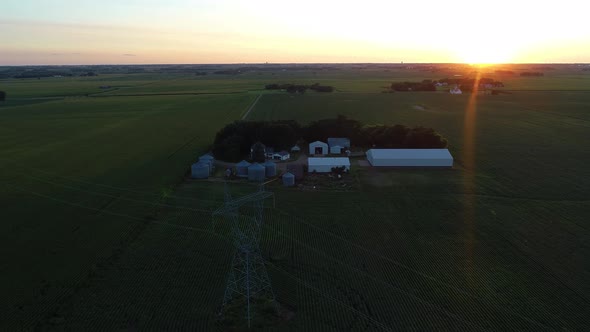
[{"x": 98, "y": 237}]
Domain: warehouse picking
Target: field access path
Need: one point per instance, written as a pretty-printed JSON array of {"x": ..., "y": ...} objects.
[{"x": 252, "y": 107}]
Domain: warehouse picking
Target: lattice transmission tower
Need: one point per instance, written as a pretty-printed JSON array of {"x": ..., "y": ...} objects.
[{"x": 248, "y": 280}]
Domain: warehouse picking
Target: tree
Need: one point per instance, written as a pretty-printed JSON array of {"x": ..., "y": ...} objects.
[
  {"x": 258, "y": 152},
  {"x": 2, "y": 96}
]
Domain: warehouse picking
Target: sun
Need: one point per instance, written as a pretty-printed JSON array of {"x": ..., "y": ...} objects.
[{"x": 482, "y": 49}]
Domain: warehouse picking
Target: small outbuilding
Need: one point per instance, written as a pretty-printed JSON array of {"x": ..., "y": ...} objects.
[
  {"x": 296, "y": 170},
  {"x": 338, "y": 144},
  {"x": 318, "y": 148},
  {"x": 325, "y": 165},
  {"x": 242, "y": 169},
  {"x": 410, "y": 157},
  {"x": 270, "y": 168},
  {"x": 256, "y": 172},
  {"x": 282, "y": 156},
  {"x": 296, "y": 148},
  {"x": 200, "y": 170},
  {"x": 288, "y": 179}
]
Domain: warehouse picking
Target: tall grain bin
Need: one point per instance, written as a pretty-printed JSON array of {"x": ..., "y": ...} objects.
[
  {"x": 242, "y": 169},
  {"x": 207, "y": 158},
  {"x": 256, "y": 172},
  {"x": 288, "y": 180},
  {"x": 207, "y": 162},
  {"x": 271, "y": 168},
  {"x": 200, "y": 171}
]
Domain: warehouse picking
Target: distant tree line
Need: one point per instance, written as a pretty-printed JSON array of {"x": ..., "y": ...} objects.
[
  {"x": 532, "y": 73},
  {"x": 505, "y": 72},
  {"x": 426, "y": 85},
  {"x": 299, "y": 88},
  {"x": 234, "y": 141},
  {"x": 2, "y": 96}
]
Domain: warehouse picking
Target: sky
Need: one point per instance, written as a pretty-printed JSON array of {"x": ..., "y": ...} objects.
[{"x": 63, "y": 32}]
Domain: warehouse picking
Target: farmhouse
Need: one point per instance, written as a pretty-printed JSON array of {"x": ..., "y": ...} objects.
[
  {"x": 318, "y": 148},
  {"x": 325, "y": 165},
  {"x": 283, "y": 155},
  {"x": 338, "y": 144},
  {"x": 410, "y": 157},
  {"x": 455, "y": 90}
]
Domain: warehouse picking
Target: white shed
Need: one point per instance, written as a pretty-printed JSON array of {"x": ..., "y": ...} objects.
[
  {"x": 318, "y": 147},
  {"x": 410, "y": 157},
  {"x": 325, "y": 165}
]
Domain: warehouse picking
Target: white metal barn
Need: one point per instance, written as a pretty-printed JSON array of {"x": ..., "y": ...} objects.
[
  {"x": 318, "y": 147},
  {"x": 325, "y": 165},
  {"x": 410, "y": 157}
]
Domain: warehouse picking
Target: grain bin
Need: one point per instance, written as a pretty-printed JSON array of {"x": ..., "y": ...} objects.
[
  {"x": 242, "y": 169},
  {"x": 256, "y": 172},
  {"x": 207, "y": 158},
  {"x": 200, "y": 170},
  {"x": 288, "y": 179},
  {"x": 271, "y": 168}
]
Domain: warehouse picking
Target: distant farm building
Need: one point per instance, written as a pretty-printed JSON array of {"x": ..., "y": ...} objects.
[
  {"x": 283, "y": 155},
  {"x": 288, "y": 179},
  {"x": 256, "y": 172},
  {"x": 410, "y": 157},
  {"x": 296, "y": 148},
  {"x": 296, "y": 170},
  {"x": 455, "y": 90},
  {"x": 338, "y": 144},
  {"x": 200, "y": 170},
  {"x": 270, "y": 168},
  {"x": 325, "y": 165},
  {"x": 318, "y": 148},
  {"x": 242, "y": 169}
]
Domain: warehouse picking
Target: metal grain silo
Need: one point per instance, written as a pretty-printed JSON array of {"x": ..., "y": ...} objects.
[
  {"x": 288, "y": 179},
  {"x": 200, "y": 170},
  {"x": 271, "y": 168},
  {"x": 256, "y": 172},
  {"x": 242, "y": 169}
]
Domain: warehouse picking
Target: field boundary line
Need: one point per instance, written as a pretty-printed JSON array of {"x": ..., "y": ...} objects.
[{"x": 251, "y": 107}]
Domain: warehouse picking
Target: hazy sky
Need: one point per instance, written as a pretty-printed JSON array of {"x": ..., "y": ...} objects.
[{"x": 232, "y": 31}]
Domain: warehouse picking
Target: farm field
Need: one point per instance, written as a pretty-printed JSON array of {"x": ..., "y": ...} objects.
[
  {"x": 56, "y": 236},
  {"x": 103, "y": 233}
]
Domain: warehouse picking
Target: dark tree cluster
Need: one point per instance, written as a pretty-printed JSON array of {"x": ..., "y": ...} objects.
[
  {"x": 425, "y": 85},
  {"x": 504, "y": 72},
  {"x": 401, "y": 137},
  {"x": 90, "y": 73},
  {"x": 532, "y": 73},
  {"x": 234, "y": 141},
  {"x": 341, "y": 126},
  {"x": 2, "y": 96},
  {"x": 299, "y": 88}
]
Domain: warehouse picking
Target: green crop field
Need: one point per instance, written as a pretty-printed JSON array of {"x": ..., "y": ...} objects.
[{"x": 102, "y": 232}]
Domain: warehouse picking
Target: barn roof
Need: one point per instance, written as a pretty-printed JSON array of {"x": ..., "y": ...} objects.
[
  {"x": 410, "y": 153},
  {"x": 338, "y": 161}
]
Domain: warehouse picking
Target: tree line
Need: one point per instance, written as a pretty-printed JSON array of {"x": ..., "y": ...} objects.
[
  {"x": 234, "y": 141},
  {"x": 532, "y": 73},
  {"x": 299, "y": 88}
]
